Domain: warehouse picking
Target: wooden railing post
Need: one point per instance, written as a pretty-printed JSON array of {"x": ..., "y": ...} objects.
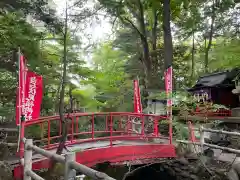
[
  {"x": 72, "y": 128},
  {"x": 49, "y": 133},
  {"x": 27, "y": 159},
  {"x": 170, "y": 130},
  {"x": 128, "y": 124},
  {"x": 155, "y": 126},
  {"x": 111, "y": 129},
  {"x": 143, "y": 125},
  {"x": 69, "y": 174},
  {"x": 92, "y": 126},
  {"x": 191, "y": 132}
]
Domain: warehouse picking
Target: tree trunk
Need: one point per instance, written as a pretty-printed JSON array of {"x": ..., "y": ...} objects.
[
  {"x": 61, "y": 101},
  {"x": 57, "y": 99},
  {"x": 62, "y": 92},
  {"x": 168, "y": 46},
  {"x": 146, "y": 54},
  {"x": 193, "y": 53},
  {"x": 146, "y": 61},
  {"x": 154, "y": 30},
  {"x": 156, "y": 61},
  {"x": 208, "y": 47},
  {"x": 71, "y": 99}
]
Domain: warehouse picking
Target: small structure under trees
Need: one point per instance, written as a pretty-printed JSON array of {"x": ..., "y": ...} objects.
[
  {"x": 217, "y": 88},
  {"x": 156, "y": 102}
]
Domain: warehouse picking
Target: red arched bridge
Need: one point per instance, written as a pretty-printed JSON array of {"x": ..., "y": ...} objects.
[{"x": 102, "y": 137}]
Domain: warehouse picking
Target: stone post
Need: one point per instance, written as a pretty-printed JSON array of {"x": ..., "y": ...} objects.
[
  {"x": 69, "y": 174},
  {"x": 27, "y": 159}
]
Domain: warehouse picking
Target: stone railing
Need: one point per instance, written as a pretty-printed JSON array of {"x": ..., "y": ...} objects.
[{"x": 71, "y": 166}]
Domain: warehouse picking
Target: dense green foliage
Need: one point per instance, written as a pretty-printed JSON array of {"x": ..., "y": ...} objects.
[{"x": 205, "y": 39}]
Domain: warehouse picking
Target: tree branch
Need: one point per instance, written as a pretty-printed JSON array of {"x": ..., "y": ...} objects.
[
  {"x": 89, "y": 15},
  {"x": 133, "y": 10},
  {"x": 133, "y": 26}
]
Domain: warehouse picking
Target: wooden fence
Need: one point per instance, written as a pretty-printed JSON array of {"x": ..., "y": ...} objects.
[
  {"x": 71, "y": 166},
  {"x": 202, "y": 142}
]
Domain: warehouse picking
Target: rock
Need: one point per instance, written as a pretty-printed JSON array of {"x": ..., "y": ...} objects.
[
  {"x": 232, "y": 175},
  {"x": 194, "y": 177},
  {"x": 183, "y": 161},
  {"x": 227, "y": 157},
  {"x": 185, "y": 168},
  {"x": 4, "y": 153},
  {"x": 236, "y": 112},
  {"x": 171, "y": 171},
  {"x": 191, "y": 156},
  {"x": 236, "y": 167},
  {"x": 209, "y": 152},
  {"x": 193, "y": 169},
  {"x": 177, "y": 169},
  {"x": 5, "y": 171},
  {"x": 185, "y": 174}
]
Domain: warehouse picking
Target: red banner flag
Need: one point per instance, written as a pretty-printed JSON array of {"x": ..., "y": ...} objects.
[
  {"x": 33, "y": 96},
  {"x": 168, "y": 86},
  {"x": 137, "y": 98},
  {"x": 29, "y": 98},
  {"x": 21, "y": 88}
]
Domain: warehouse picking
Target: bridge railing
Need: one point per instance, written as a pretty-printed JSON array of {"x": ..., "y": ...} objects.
[
  {"x": 88, "y": 127},
  {"x": 212, "y": 113},
  {"x": 71, "y": 166}
]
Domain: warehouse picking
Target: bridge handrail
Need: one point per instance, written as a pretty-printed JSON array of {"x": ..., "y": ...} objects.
[
  {"x": 68, "y": 161},
  {"x": 125, "y": 131},
  {"x": 42, "y": 119}
]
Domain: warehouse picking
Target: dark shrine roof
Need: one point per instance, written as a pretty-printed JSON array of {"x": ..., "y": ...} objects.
[{"x": 219, "y": 79}]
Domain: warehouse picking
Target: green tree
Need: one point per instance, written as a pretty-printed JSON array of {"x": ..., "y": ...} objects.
[{"x": 112, "y": 85}]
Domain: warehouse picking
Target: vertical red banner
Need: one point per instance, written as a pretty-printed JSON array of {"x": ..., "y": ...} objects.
[
  {"x": 168, "y": 86},
  {"x": 137, "y": 97},
  {"x": 33, "y": 96},
  {"x": 29, "y": 98}
]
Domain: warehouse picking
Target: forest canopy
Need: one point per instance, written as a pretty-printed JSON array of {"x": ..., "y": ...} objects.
[{"x": 205, "y": 37}]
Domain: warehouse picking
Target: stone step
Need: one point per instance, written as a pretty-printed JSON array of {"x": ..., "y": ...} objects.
[
  {"x": 236, "y": 91},
  {"x": 236, "y": 112}
]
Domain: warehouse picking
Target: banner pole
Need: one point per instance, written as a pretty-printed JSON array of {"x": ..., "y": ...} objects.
[
  {"x": 140, "y": 99},
  {"x": 22, "y": 81},
  {"x": 18, "y": 116},
  {"x": 168, "y": 87},
  {"x": 23, "y": 118}
]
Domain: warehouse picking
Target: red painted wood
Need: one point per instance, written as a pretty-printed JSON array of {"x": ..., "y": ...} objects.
[
  {"x": 111, "y": 154},
  {"x": 49, "y": 132},
  {"x": 54, "y": 118},
  {"x": 125, "y": 153},
  {"x": 37, "y": 165},
  {"x": 92, "y": 127},
  {"x": 21, "y": 149},
  {"x": 191, "y": 131}
]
